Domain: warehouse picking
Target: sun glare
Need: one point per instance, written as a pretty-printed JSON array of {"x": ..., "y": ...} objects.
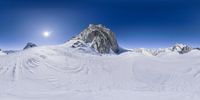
[{"x": 46, "y": 34}]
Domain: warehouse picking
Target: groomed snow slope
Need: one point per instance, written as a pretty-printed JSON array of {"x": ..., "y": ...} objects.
[{"x": 64, "y": 73}]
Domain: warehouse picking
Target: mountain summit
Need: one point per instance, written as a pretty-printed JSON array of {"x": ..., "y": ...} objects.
[
  {"x": 30, "y": 45},
  {"x": 100, "y": 38},
  {"x": 181, "y": 48}
]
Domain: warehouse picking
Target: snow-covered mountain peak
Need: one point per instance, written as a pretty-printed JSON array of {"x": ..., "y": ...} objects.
[
  {"x": 30, "y": 45},
  {"x": 181, "y": 48},
  {"x": 100, "y": 38}
]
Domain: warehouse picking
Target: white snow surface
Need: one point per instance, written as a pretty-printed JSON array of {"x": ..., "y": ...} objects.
[
  {"x": 2, "y": 53},
  {"x": 63, "y": 73}
]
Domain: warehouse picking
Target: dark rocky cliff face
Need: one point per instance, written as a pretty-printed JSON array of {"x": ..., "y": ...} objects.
[
  {"x": 197, "y": 48},
  {"x": 100, "y": 38}
]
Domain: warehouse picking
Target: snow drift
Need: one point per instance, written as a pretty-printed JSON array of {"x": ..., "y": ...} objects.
[{"x": 2, "y": 53}]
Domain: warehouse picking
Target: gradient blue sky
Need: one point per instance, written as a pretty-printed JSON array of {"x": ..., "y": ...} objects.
[{"x": 137, "y": 23}]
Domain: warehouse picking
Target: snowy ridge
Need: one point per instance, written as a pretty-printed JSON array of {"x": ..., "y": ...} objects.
[{"x": 176, "y": 49}]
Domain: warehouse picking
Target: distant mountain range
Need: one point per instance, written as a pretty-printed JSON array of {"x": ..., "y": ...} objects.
[
  {"x": 103, "y": 41},
  {"x": 99, "y": 39}
]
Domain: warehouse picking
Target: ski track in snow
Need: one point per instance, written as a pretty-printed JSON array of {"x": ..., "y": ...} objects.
[{"x": 60, "y": 73}]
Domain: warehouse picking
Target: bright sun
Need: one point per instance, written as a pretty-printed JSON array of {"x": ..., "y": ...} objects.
[{"x": 46, "y": 34}]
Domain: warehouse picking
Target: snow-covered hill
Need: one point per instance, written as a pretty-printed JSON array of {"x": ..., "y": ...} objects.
[{"x": 77, "y": 71}]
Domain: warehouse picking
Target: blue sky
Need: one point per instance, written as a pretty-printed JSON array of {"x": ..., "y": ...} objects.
[{"x": 137, "y": 23}]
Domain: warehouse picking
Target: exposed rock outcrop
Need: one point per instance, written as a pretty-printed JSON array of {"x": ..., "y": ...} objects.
[
  {"x": 78, "y": 44},
  {"x": 197, "y": 48},
  {"x": 30, "y": 45}
]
